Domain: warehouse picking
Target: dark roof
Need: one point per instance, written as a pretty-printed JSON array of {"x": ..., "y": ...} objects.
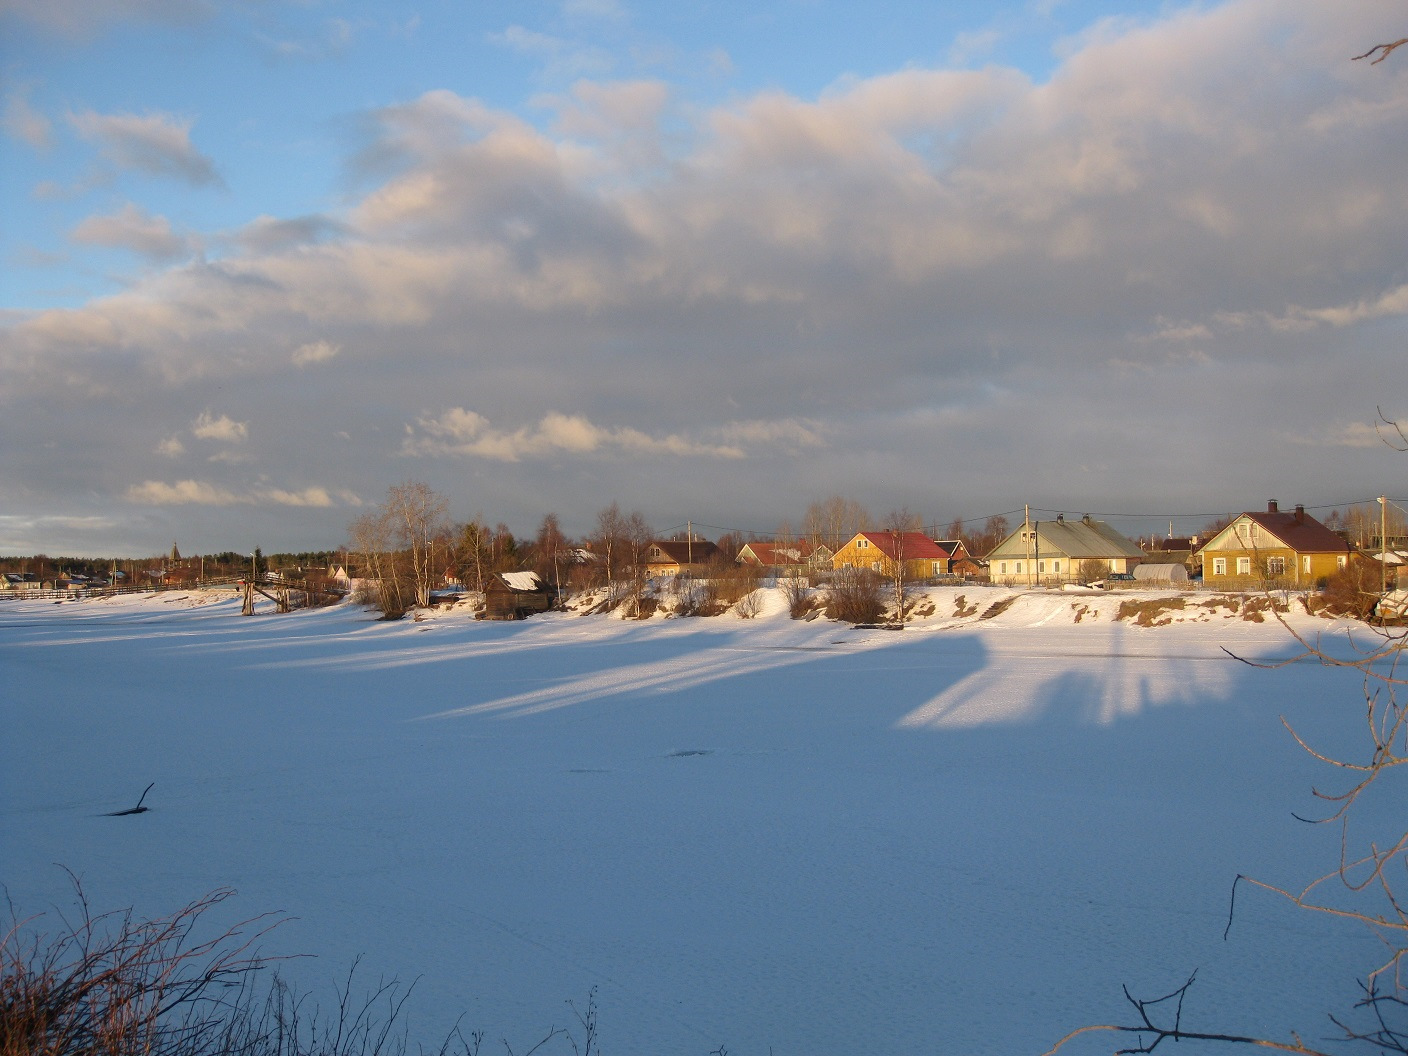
[
  {"x": 1297, "y": 531},
  {"x": 682, "y": 553},
  {"x": 1300, "y": 532}
]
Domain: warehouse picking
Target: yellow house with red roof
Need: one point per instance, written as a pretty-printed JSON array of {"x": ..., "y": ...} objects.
[
  {"x": 878, "y": 551},
  {"x": 1293, "y": 549}
]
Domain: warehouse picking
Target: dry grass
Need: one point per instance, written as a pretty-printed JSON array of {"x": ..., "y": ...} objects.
[{"x": 1153, "y": 613}]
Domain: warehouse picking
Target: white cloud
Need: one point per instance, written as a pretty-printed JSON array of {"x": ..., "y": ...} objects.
[
  {"x": 157, "y": 144},
  {"x": 183, "y": 492},
  {"x": 203, "y": 493},
  {"x": 223, "y": 428},
  {"x": 461, "y": 432},
  {"x": 171, "y": 447},
  {"x": 135, "y": 229},
  {"x": 315, "y": 352}
]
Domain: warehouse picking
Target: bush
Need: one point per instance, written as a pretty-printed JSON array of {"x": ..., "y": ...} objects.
[
  {"x": 112, "y": 985},
  {"x": 1351, "y": 591},
  {"x": 855, "y": 596}
]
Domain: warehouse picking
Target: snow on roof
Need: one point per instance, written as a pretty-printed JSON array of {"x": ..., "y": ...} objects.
[{"x": 522, "y": 580}]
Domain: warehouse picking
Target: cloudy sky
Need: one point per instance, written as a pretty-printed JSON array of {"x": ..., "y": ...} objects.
[{"x": 713, "y": 260}]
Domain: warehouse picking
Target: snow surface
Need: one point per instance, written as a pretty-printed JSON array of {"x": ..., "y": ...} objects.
[{"x": 787, "y": 837}]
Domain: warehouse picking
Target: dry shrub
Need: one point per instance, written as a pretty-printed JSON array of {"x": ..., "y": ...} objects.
[
  {"x": 110, "y": 985},
  {"x": 801, "y": 601},
  {"x": 1351, "y": 591},
  {"x": 748, "y": 606},
  {"x": 855, "y": 596}
]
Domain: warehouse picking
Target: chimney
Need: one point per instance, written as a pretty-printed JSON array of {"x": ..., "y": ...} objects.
[
  {"x": 1271, "y": 507},
  {"x": 1085, "y": 519},
  {"x": 1060, "y": 518},
  {"x": 1300, "y": 514}
]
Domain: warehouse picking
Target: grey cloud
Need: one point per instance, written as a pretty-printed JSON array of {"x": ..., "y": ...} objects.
[
  {"x": 134, "y": 228},
  {"x": 82, "y": 18},
  {"x": 269, "y": 234},
  {"x": 156, "y": 144},
  {"x": 924, "y": 288}
]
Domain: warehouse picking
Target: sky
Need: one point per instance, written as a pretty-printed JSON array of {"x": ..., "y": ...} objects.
[{"x": 713, "y": 261}]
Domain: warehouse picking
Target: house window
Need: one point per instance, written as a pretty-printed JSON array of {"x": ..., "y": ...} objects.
[
  {"x": 1219, "y": 566},
  {"x": 1275, "y": 566},
  {"x": 1305, "y": 564},
  {"x": 1019, "y": 567},
  {"x": 1002, "y": 568},
  {"x": 1339, "y": 561},
  {"x": 1041, "y": 566},
  {"x": 937, "y": 570},
  {"x": 1244, "y": 566},
  {"x": 862, "y": 543},
  {"x": 1055, "y": 566}
]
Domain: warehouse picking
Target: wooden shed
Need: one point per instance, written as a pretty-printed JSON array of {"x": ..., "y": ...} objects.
[{"x": 516, "y": 596}]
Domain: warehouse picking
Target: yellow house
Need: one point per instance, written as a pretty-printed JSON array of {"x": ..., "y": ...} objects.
[
  {"x": 878, "y": 551},
  {"x": 1290, "y": 549}
]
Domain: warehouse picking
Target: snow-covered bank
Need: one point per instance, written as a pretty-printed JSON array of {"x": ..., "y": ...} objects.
[{"x": 764, "y": 833}]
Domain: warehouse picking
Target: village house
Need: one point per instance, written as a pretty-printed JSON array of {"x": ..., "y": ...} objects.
[
  {"x": 516, "y": 596},
  {"x": 961, "y": 563},
  {"x": 879, "y": 551},
  {"x": 798, "y": 557},
  {"x": 1040, "y": 551},
  {"x": 679, "y": 557},
  {"x": 1273, "y": 547}
]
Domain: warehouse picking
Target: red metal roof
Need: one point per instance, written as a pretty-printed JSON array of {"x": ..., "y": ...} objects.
[{"x": 911, "y": 546}]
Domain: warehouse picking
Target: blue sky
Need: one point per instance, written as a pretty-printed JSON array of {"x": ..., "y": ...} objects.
[{"x": 714, "y": 261}]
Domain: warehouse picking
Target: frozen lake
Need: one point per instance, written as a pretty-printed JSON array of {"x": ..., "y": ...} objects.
[{"x": 782, "y": 837}]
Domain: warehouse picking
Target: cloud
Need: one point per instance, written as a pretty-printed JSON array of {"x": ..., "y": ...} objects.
[
  {"x": 562, "y": 58},
  {"x": 225, "y": 429},
  {"x": 156, "y": 144},
  {"x": 1355, "y": 434},
  {"x": 268, "y": 234},
  {"x": 81, "y": 18},
  {"x": 1391, "y": 304},
  {"x": 133, "y": 228},
  {"x": 1126, "y": 266},
  {"x": 202, "y": 493},
  {"x": 315, "y": 352},
  {"x": 183, "y": 492},
  {"x": 171, "y": 447},
  {"x": 461, "y": 432},
  {"x": 21, "y": 121}
]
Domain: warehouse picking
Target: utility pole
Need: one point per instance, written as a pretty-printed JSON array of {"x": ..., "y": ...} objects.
[
  {"x": 1383, "y": 544},
  {"x": 689, "y": 541},
  {"x": 1027, "y": 539}
]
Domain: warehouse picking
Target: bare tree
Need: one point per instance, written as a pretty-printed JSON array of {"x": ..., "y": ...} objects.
[
  {"x": 549, "y": 546},
  {"x": 370, "y": 538},
  {"x": 833, "y": 522},
  {"x": 895, "y": 565},
  {"x": 419, "y": 515}
]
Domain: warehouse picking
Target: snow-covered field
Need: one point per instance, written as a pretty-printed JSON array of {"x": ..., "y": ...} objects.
[{"x": 779, "y": 836}]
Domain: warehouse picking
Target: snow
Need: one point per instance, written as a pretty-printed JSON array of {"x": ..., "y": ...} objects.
[
  {"x": 788, "y": 837},
  {"x": 522, "y": 580}
]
